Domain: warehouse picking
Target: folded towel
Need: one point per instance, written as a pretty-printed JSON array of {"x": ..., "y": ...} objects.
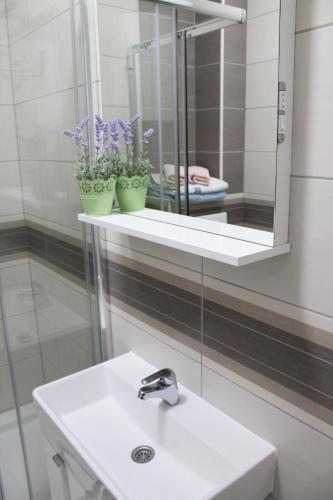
[
  {"x": 196, "y": 175},
  {"x": 154, "y": 190},
  {"x": 215, "y": 185},
  {"x": 202, "y": 181}
]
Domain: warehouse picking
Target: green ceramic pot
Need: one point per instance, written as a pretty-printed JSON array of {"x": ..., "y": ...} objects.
[
  {"x": 132, "y": 192},
  {"x": 97, "y": 196}
]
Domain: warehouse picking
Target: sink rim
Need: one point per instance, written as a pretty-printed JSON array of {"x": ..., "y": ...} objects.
[{"x": 108, "y": 479}]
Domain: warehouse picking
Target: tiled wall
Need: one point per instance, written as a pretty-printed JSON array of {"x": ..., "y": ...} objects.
[
  {"x": 39, "y": 44},
  {"x": 46, "y": 306},
  {"x": 147, "y": 77},
  {"x": 41, "y": 261},
  {"x": 11, "y": 196},
  {"x": 208, "y": 101},
  {"x": 113, "y": 18},
  {"x": 254, "y": 341},
  {"x": 261, "y": 98}
]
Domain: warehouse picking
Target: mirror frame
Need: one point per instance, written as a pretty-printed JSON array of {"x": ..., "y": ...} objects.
[{"x": 279, "y": 236}]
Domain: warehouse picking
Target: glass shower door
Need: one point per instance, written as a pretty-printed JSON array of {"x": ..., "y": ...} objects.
[
  {"x": 48, "y": 309},
  {"x": 13, "y": 478}
]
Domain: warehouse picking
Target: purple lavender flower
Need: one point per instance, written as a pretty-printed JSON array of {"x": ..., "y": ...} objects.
[
  {"x": 128, "y": 134},
  {"x": 72, "y": 135},
  {"x": 134, "y": 120},
  {"x": 99, "y": 131},
  {"x": 114, "y": 135},
  {"x": 99, "y": 119},
  {"x": 147, "y": 134},
  {"x": 83, "y": 123},
  {"x": 122, "y": 123},
  {"x": 77, "y": 133}
]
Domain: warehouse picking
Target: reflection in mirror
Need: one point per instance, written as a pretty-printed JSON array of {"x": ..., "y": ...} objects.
[
  {"x": 210, "y": 94},
  {"x": 227, "y": 111}
]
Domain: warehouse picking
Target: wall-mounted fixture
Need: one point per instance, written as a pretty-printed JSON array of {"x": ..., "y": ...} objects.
[
  {"x": 209, "y": 8},
  {"x": 219, "y": 98}
]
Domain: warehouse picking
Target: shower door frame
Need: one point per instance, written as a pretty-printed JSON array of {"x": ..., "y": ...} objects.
[{"x": 179, "y": 45}]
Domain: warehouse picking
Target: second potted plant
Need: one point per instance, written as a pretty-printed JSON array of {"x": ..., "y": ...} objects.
[{"x": 134, "y": 169}]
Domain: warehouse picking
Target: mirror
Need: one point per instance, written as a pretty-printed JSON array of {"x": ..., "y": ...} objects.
[{"x": 214, "y": 92}]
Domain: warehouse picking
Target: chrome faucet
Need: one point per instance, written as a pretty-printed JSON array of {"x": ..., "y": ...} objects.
[{"x": 162, "y": 384}]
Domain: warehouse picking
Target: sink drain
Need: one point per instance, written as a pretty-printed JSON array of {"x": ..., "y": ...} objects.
[{"x": 143, "y": 454}]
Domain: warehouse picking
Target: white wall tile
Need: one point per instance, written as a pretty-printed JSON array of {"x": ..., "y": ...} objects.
[
  {"x": 32, "y": 188},
  {"x": 10, "y": 189},
  {"x": 6, "y": 96},
  {"x": 313, "y": 104},
  {"x": 304, "y": 455},
  {"x": 313, "y": 13},
  {"x": 259, "y": 7},
  {"x": 3, "y": 353},
  {"x": 60, "y": 194},
  {"x": 261, "y": 84},
  {"x": 48, "y": 341},
  {"x": 6, "y": 395},
  {"x": 3, "y": 24},
  {"x": 110, "y": 112},
  {"x": 260, "y": 129},
  {"x": 16, "y": 283},
  {"x": 123, "y": 4},
  {"x": 72, "y": 358},
  {"x": 37, "y": 58},
  {"x": 127, "y": 337},
  {"x": 260, "y": 173},
  {"x": 8, "y": 145},
  {"x": 56, "y": 291},
  {"x": 42, "y": 138},
  {"x": 115, "y": 89},
  {"x": 298, "y": 278},
  {"x": 24, "y": 17},
  {"x": 23, "y": 336},
  {"x": 28, "y": 376},
  {"x": 118, "y": 30},
  {"x": 263, "y": 28}
]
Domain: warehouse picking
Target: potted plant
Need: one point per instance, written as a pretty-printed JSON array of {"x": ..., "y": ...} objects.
[
  {"x": 134, "y": 168},
  {"x": 97, "y": 176}
]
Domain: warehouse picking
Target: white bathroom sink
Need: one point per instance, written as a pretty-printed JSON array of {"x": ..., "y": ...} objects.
[{"x": 96, "y": 417}]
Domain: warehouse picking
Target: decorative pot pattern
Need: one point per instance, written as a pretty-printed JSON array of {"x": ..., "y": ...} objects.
[
  {"x": 97, "y": 195},
  {"x": 132, "y": 192}
]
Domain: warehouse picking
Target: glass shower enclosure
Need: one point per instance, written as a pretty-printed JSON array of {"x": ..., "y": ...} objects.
[
  {"x": 48, "y": 312},
  {"x": 165, "y": 90}
]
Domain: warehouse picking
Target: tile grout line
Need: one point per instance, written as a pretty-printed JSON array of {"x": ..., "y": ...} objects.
[
  {"x": 125, "y": 295},
  {"x": 314, "y": 28},
  {"x": 280, "y": 408},
  {"x": 262, "y": 334},
  {"x": 270, "y": 368},
  {"x": 49, "y": 94},
  {"x": 268, "y": 297},
  {"x": 30, "y": 32}
]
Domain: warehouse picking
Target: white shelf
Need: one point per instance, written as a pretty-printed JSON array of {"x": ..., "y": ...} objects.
[{"x": 224, "y": 249}]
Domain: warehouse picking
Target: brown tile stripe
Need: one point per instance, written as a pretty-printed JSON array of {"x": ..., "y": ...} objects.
[
  {"x": 135, "y": 315},
  {"x": 249, "y": 335},
  {"x": 265, "y": 383},
  {"x": 299, "y": 372},
  {"x": 167, "y": 303},
  {"x": 187, "y": 288},
  {"x": 298, "y": 364},
  {"x": 274, "y": 322},
  {"x": 13, "y": 240},
  {"x": 51, "y": 248}
]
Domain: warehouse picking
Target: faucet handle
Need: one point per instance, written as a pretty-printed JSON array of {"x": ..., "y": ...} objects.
[{"x": 166, "y": 376}]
